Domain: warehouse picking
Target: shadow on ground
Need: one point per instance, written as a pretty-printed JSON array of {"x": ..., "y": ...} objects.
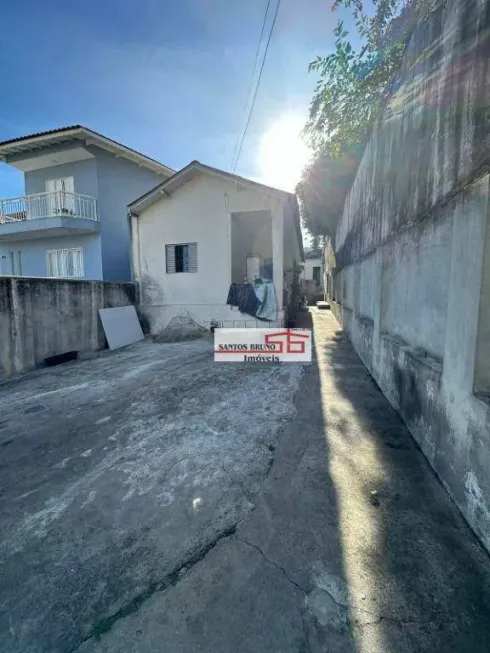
[
  {"x": 410, "y": 561},
  {"x": 353, "y": 545}
]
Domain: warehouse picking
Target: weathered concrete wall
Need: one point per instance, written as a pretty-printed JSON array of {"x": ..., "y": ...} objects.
[
  {"x": 411, "y": 281},
  {"x": 435, "y": 134},
  {"x": 46, "y": 317}
]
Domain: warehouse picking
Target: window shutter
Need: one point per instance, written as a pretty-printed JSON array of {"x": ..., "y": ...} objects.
[
  {"x": 78, "y": 262},
  {"x": 68, "y": 185},
  {"x": 192, "y": 257},
  {"x": 189, "y": 252},
  {"x": 52, "y": 267},
  {"x": 170, "y": 258},
  {"x": 70, "y": 264}
]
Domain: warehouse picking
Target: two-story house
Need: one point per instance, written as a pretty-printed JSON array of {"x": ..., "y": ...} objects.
[{"x": 72, "y": 220}]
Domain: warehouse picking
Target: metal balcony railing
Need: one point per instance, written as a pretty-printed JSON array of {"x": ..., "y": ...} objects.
[{"x": 48, "y": 205}]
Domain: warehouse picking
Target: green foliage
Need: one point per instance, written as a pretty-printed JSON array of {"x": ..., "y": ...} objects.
[
  {"x": 352, "y": 88},
  {"x": 322, "y": 190},
  {"x": 316, "y": 246},
  {"x": 353, "y": 84},
  {"x": 316, "y": 243}
]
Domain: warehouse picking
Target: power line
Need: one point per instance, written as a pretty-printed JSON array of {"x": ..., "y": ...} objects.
[
  {"x": 252, "y": 106},
  {"x": 237, "y": 158},
  {"x": 254, "y": 70}
]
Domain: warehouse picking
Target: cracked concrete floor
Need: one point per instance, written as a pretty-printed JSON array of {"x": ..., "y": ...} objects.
[
  {"x": 287, "y": 549},
  {"x": 115, "y": 472}
]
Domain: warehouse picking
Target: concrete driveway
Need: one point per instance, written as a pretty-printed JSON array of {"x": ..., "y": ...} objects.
[
  {"x": 155, "y": 502},
  {"x": 116, "y": 473}
]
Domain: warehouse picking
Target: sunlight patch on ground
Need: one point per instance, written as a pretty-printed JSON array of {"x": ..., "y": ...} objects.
[{"x": 358, "y": 521}]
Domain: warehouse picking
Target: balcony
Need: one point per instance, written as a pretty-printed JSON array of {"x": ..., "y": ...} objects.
[{"x": 47, "y": 214}]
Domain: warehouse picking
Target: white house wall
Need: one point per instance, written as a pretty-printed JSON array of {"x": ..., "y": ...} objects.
[
  {"x": 198, "y": 212},
  {"x": 311, "y": 263}
]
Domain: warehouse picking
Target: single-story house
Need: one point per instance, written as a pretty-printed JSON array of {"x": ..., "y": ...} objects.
[
  {"x": 313, "y": 268},
  {"x": 203, "y": 229},
  {"x": 313, "y": 276}
]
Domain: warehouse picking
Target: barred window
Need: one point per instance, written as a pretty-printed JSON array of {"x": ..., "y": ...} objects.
[{"x": 181, "y": 258}]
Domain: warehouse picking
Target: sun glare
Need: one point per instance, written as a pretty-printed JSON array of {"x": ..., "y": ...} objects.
[{"x": 283, "y": 153}]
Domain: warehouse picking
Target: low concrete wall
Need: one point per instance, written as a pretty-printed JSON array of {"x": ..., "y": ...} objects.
[{"x": 46, "y": 317}]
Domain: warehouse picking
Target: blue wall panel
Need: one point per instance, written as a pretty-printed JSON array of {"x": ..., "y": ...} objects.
[
  {"x": 33, "y": 254},
  {"x": 120, "y": 182}
]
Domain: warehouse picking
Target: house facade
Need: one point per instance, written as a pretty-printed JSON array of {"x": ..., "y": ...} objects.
[
  {"x": 313, "y": 277},
  {"x": 72, "y": 220},
  {"x": 204, "y": 229},
  {"x": 313, "y": 269}
]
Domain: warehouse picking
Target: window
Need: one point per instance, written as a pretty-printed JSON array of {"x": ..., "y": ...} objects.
[
  {"x": 65, "y": 263},
  {"x": 316, "y": 275},
  {"x": 181, "y": 258}
]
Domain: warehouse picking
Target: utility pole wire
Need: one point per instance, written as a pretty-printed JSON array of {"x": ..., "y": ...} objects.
[
  {"x": 250, "y": 86},
  {"x": 257, "y": 87}
]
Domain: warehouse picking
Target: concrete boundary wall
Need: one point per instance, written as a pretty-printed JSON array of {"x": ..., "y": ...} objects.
[
  {"x": 45, "y": 317},
  {"x": 437, "y": 395},
  {"x": 410, "y": 269}
]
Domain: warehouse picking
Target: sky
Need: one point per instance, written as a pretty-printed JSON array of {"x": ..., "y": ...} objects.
[{"x": 168, "y": 78}]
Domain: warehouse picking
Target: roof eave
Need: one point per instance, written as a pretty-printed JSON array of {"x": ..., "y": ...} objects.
[
  {"x": 93, "y": 138},
  {"x": 56, "y": 137},
  {"x": 143, "y": 202},
  {"x": 18, "y": 146}
]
